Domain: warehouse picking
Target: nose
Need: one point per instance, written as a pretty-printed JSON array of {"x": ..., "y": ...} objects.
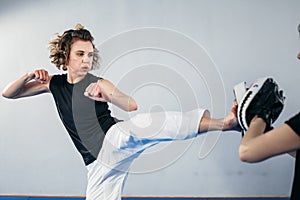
[{"x": 86, "y": 59}]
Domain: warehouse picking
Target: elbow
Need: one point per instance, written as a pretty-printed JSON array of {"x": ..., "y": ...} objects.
[
  {"x": 4, "y": 94},
  {"x": 7, "y": 93},
  {"x": 251, "y": 155},
  {"x": 133, "y": 107},
  {"x": 129, "y": 107},
  {"x": 245, "y": 154}
]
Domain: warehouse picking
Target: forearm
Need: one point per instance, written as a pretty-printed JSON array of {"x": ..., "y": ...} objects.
[
  {"x": 251, "y": 148},
  {"x": 124, "y": 102},
  {"x": 257, "y": 127},
  {"x": 14, "y": 88}
]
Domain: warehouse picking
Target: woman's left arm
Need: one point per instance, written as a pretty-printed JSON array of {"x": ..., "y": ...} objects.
[
  {"x": 257, "y": 147},
  {"x": 104, "y": 90}
]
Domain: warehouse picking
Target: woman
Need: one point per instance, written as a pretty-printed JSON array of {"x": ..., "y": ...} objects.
[
  {"x": 257, "y": 145},
  {"x": 107, "y": 145}
]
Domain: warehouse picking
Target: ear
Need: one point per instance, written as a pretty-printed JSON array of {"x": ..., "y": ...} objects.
[{"x": 66, "y": 64}]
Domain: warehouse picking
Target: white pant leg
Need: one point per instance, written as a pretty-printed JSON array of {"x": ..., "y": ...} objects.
[
  {"x": 104, "y": 182},
  {"x": 125, "y": 141},
  {"x": 165, "y": 125}
]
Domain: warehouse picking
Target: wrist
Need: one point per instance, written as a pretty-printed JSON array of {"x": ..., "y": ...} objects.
[
  {"x": 258, "y": 124},
  {"x": 258, "y": 120},
  {"x": 28, "y": 76}
]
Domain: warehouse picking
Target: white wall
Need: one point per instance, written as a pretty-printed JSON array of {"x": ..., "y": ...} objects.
[{"x": 168, "y": 54}]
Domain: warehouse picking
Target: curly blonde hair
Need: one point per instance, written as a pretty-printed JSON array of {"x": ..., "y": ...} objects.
[{"x": 60, "y": 47}]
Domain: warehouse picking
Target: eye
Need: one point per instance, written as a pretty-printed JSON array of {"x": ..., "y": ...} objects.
[
  {"x": 91, "y": 54},
  {"x": 79, "y": 53}
]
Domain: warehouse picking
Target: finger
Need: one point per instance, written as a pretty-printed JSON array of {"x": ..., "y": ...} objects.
[
  {"x": 90, "y": 89},
  {"x": 38, "y": 75},
  {"x": 234, "y": 106},
  {"x": 86, "y": 94},
  {"x": 89, "y": 94},
  {"x": 87, "y": 88},
  {"x": 87, "y": 91},
  {"x": 98, "y": 91},
  {"x": 47, "y": 76},
  {"x": 97, "y": 99},
  {"x": 235, "y": 102},
  {"x": 44, "y": 75},
  {"x": 100, "y": 99}
]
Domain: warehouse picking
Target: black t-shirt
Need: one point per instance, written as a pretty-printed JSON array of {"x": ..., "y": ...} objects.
[
  {"x": 294, "y": 123},
  {"x": 86, "y": 120}
]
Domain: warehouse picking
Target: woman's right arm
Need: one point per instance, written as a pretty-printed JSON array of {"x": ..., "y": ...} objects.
[{"x": 30, "y": 84}]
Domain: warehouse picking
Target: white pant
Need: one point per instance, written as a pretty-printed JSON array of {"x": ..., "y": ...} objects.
[{"x": 125, "y": 141}]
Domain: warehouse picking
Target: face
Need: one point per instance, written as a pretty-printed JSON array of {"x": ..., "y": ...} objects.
[{"x": 81, "y": 58}]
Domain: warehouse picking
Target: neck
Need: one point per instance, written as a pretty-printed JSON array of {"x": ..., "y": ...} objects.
[{"x": 74, "y": 79}]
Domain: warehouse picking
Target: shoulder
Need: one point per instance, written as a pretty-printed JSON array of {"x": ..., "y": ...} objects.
[
  {"x": 93, "y": 77},
  {"x": 56, "y": 80},
  {"x": 58, "y": 77},
  {"x": 294, "y": 123}
]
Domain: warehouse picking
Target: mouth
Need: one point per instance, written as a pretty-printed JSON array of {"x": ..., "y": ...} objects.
[{"x": 85, "y": 68}]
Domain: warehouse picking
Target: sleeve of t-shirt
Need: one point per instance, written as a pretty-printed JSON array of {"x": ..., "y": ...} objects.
[
  {"x": 52, "y": 82},
  {"x": 294, "y": 123}
]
